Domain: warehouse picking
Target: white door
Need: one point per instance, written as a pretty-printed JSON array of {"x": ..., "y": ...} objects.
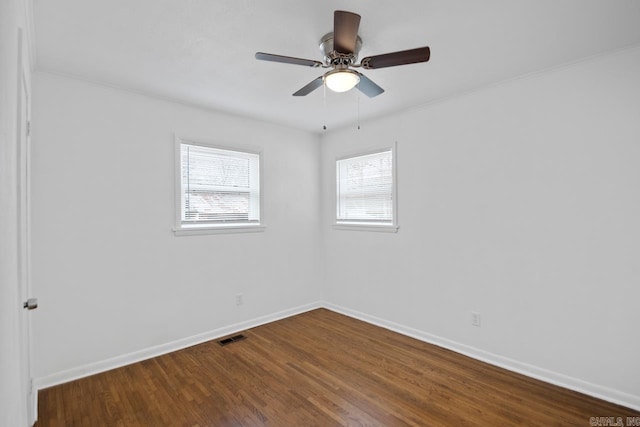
[{"x": 24, "y": 219}]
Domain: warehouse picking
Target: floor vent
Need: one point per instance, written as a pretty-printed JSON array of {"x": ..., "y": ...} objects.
[{"x": 231, "y": 339}]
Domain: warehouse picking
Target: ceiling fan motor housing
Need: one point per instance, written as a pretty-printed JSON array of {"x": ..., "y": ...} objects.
[{"x": 331, "y": 57}]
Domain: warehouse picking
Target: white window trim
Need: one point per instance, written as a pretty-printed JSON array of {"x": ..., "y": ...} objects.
[
  {"x": 384, "y": 228},
  {"x": 194, "y": 230},
  {"x": 221, "y": 229},
  {"x": 362, "y": 226}
]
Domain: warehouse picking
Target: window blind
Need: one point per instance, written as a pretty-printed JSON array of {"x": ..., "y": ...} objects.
[
  {"x": 365, "y": 188},
  {"x": 219, "y": 186}
]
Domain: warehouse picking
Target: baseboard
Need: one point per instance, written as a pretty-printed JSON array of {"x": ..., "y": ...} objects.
[
  {"x": 561, "y": 380},
  {"x": 148, "y": 353},
  {"x": 555, "y": 378}
]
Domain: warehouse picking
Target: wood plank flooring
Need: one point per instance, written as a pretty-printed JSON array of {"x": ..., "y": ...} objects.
[{"x": 319, "y": 368}]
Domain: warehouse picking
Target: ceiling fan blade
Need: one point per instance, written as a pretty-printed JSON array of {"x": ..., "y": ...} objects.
[
  {"x": 287, "y": 59},
  {"x": 315, "y": 84},
  {"x": 368, "y": 87},
  {"x": 345, "y": 31},
  {"x": 411, "y": 56}
]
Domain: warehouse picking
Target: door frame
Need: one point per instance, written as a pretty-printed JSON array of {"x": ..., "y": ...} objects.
[{"x": 23, "y": 159}]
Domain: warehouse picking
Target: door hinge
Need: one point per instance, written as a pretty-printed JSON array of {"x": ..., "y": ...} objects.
[{"x": 28, "y": 127}]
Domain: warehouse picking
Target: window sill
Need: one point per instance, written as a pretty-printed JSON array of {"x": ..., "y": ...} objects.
[
  {"x": 224, "y": 229},
  {"x": 367, "y": 227}
]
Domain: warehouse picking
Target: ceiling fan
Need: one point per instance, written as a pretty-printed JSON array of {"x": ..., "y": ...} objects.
[{"x": 340, "y": 49}]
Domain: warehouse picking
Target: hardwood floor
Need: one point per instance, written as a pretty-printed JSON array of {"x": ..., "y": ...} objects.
[{"x": 316, "y": 369}]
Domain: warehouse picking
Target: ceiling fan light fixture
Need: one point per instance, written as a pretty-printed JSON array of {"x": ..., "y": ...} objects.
[{"x": 341, "y": 80}]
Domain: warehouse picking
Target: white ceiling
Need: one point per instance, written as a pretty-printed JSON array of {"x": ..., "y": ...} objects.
[{"x": 201, "y": 52}]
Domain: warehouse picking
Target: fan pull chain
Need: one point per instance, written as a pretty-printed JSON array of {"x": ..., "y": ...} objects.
[
  {"x": 358, "y": 105},
  {"x": 324, "y": 102}
]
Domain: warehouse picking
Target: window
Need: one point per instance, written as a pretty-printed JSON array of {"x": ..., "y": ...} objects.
[
  {"x": 366, "y": 191},
  {"x": 218, "y": 189}
]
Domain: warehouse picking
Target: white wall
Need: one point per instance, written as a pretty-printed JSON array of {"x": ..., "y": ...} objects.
[
  {"x": 520, "y": 201},
  {"x": 13, "y": 407},
  {"x": 111, "y": 277}
]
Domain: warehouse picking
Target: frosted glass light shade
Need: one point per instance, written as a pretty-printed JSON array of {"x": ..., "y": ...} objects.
[{"x": 341, "y": 80}]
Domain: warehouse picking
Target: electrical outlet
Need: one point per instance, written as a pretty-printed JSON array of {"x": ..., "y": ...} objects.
[
  {"x": 238, "y": 299},
  {"x": 475, "y": 318}
]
